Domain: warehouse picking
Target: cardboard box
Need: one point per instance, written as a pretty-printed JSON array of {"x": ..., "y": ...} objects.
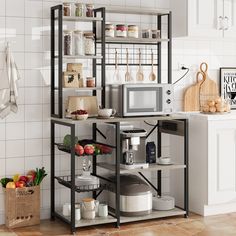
[{"x": 22, "y": 206}]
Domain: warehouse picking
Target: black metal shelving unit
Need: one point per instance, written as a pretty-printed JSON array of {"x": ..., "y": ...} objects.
[{"x": 68, "y": 181}]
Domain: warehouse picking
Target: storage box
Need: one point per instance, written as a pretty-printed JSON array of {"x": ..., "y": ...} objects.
[{"x": 22, "y": 206}]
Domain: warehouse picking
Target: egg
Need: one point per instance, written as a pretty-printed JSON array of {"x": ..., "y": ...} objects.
[
  {"x": 205, "y": 108},
  {"x": 212, "y": 109},
  {"x": 211, "y": 103}
]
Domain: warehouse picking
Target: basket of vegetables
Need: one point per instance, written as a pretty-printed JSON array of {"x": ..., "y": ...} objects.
[{"x": 22, "y": 198}]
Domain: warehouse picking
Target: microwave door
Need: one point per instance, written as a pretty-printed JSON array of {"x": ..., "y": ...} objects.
[{"x": 143, "y": 101}]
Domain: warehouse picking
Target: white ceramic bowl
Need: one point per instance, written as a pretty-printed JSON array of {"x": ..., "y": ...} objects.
[{"x": 164, "y": 160}]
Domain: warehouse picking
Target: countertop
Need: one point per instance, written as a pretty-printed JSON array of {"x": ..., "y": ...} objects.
[{"x": 198, "y": 115}]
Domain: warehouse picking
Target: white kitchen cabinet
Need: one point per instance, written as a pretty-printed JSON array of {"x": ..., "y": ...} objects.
[
  {"x": 201, "y": 18},
  {"x": 212, "y": 164}
]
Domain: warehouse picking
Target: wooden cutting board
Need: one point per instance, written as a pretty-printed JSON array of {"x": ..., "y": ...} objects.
[
  {"x": 192, "y": 95},
  {"x": 208, "y": 89}
]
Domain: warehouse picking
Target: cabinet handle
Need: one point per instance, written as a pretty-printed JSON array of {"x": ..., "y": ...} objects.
[
  {"x": 226, "y": 23},
  {"x": 220, "y": 22}
]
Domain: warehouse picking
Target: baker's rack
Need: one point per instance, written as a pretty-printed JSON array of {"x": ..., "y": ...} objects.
[{"x": 107, "y": 46}]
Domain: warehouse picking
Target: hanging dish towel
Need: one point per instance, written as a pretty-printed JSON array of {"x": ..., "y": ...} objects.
[{"x": 8, "y": 85}]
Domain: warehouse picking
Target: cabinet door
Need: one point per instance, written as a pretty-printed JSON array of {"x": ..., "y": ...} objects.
[
  {"x": 221, "y": 161},
  {"x": 205, "y": 18},
  {"x": 230, "y": 18}
]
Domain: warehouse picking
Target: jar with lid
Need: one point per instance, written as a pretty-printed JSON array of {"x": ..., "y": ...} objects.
[
  {"x": 90, "y": 82},
  {"x": 121, "y": 30},
  {"x": 110, "y": 30},
  {"x": 68, "y": 42},
  {"x": 66, "y": 9},
  {"x": 155, "y": 34},
  {"x": 89, "y": 43},
  {"x": 133, "y": 31},
  {"x": 89, "y": 10},
  {"x": 79, "y": 42},
  {"x": 146, "y": 33},
  {"x": 79, "y": 9}
]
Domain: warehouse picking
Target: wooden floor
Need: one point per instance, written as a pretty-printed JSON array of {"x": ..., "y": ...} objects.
[{"x": 221, "y": 225}]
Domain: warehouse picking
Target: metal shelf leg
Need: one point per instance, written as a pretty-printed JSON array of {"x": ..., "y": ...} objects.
[{"x": 52, "y": 170}]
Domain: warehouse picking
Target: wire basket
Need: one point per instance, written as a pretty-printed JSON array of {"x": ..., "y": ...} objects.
[{"x": 214, "y": 104}]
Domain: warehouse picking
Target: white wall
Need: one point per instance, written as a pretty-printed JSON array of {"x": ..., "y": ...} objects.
[{"x": 24, "y": 137}]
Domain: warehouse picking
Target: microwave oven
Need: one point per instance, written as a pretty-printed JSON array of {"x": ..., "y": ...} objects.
[{"x": 141, "y": 99}]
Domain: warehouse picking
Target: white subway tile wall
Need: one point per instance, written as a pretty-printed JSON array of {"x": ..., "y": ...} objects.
[{"x": 25, "y": 136}]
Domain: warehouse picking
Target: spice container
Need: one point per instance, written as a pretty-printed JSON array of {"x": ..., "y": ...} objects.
[
  {"x": 79, "y": 9},
  {"x": 79, "y": 42},
  {"x": 66, "y": 9},
  {"x": 89, "y": 10},
  {"x": 146, "y": 33},
  {"x": 110, "y": 30},
  {"x": 67, "y": 42},
  {"x": 90, "y": 82},
  {"x": 155, "y": 34},
  {"x": 89, "y": 43},
  {"x": 121, "y": 31},
  {"x": 133, "y": 31}
]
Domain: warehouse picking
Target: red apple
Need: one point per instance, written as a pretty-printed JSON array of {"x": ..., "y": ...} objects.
[
  {"x": 20, "y": 184},
  {"x": 89, "y": 149},
  {"x": 23, "y": 178},
  {"x": 79, "y": 149}
]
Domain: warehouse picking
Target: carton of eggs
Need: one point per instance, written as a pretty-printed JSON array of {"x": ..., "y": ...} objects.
[{"x": 218, "y": 105}]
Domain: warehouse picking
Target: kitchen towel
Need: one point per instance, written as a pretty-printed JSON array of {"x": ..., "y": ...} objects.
[{"x": 8, "y": 85}]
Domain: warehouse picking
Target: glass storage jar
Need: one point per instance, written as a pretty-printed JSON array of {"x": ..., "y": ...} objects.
[
  {"x": 146, "y": 33},
  {"x": 89, "y": 10},
  {"x": 79, "y": 42},
  {"x": 90, "y": 82},
  {"x": 110, "y": 30},
  {"x": 121, "y": 30},
  {"x": 132, "y": 31},
  {"x": 155, "y": 34},
  {"x": 79, "y": 9},
  {"x": 68, "y": 42},
  {"x": 66, "y": 9},
  {"x": 89, "y": 43}
]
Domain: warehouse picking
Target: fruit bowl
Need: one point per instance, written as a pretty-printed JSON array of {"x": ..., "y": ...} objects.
[{"x": 80, "y": 117}]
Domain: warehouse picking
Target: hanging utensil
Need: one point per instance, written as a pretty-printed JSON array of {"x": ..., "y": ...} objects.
[
  {"x": 116, "y": 77},
  {"x": 139, "y": 76},
  {"x": 127, "y": 74},
  {"x": 152, "y": 75}
]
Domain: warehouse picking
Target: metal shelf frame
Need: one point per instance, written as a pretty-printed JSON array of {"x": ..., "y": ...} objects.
[{"x": 117, "y": 171}]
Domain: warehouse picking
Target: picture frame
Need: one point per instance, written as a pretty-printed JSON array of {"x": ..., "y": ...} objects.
[{"x": 228, "y": 85}]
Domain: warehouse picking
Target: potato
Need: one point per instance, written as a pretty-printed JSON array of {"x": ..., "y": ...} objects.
[
  {"x": 211, "y": 103},
  {"x": 205, "y": 108},
  {"x": 212, "y": 109}
]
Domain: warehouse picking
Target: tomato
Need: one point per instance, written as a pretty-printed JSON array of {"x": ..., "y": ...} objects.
[
  {"x": 89, "y": 149},
  {"x": 79, "y": 149}
]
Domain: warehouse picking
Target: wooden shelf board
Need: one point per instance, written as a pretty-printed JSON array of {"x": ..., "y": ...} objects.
[{"x": 152, "y": 167}]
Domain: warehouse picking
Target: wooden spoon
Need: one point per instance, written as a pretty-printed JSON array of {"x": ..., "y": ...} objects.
[
  {"x": 152, "y": 75},
  {"x": 139, "y": 76},
  {"x": 127, "y": 74}
]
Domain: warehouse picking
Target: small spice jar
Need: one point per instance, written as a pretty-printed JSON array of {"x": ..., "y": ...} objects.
[
  {"x": 79, "y": 9},
  {"x": 121, "y": 30},
  {"x": 89, "y": 10},
  {"x": 155, "y": 34},
  {"x": 79, "y": 42},
  {"x": 90, "y": 82},
  {"x": 110, "y": 30},
  {"x": 89, "y": 43},
  {"x": 132, "y": 31},
  {"x": 146, "y": 33},
  {"x": 67, "y": 42},
  {"x": 66, "y": 9}
]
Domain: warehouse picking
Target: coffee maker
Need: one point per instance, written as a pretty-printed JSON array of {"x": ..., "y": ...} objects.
[{"x": 133, "y": 148}]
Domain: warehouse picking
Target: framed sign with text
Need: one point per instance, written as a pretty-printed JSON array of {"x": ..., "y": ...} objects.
[{"x": 228, "y": 85}]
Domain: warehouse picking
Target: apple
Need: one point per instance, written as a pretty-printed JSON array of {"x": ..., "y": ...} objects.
[
  {"x": 10, "y": 185},
  {"x": 89, "y": 149},
  {"x": 23, "y": 178},
  {"x": 79, "y": 149},
  {"x": 20, "y": 184}
]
